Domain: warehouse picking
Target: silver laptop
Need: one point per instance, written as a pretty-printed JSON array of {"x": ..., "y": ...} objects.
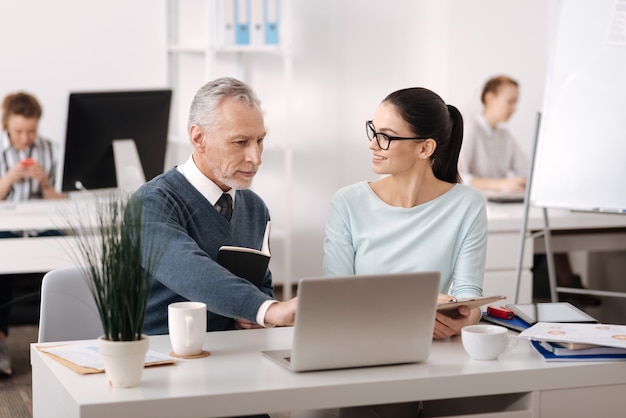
[{"x": 355, "y": 321}]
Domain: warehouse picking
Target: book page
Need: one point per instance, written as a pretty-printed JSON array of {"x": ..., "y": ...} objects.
[{"x": 265, "y": 246}]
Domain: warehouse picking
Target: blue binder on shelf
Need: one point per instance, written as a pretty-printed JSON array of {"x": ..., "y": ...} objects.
[
  {"x": 242, "y": 22},
  {"x": 272, "y": 22}
]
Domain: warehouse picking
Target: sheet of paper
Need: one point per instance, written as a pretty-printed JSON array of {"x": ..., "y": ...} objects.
[
  {"x": 87, "y": 355},
  {"x": 598, "y": 334}
]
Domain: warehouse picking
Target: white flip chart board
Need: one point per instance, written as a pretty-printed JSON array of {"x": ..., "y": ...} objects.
[{"x": 580, "y": 160}]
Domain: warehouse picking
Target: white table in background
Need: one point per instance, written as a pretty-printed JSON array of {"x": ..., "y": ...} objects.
[
  {"x": 571, "y": 231},
  {"x": 237, "y": 380},
  {"x": 39, "y": 254}
]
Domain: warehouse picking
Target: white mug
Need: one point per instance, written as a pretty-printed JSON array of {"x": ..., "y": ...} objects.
[
  {"x": 187, "y": 326},
  {"x": 486, "y": 342}
]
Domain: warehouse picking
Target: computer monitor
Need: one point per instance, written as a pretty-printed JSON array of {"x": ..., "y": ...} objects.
[{"x": 96, "y": 119}]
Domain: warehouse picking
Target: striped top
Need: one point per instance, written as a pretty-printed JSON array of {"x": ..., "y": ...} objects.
[{"x": 42, "y": 152}]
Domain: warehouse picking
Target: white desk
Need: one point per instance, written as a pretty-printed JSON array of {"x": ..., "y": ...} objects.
[
  {"x": 39, "y": 254},
  {"x": 504, "y": 222},
  {"x": 571, "y": 231},
  {"x": 236, "y": 380}
]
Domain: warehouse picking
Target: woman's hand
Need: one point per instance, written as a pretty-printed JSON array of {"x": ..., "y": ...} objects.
[
  {"x": 449, "y": 325},
  {"x": 14, "y": 174},
  {"x": 36, "y": 172},
  {"x": 443, "y": 298},
  {"x": 512, "y": 184}
]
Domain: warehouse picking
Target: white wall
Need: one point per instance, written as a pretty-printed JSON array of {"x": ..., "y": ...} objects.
[
  {"x": 347, "y": 56},
  {"x": 51, "y": 48}
]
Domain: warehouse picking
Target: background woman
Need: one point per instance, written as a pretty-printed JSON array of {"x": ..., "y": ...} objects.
[
  {"x": 490, "y": 158},
  {"x": 27, "y": 171}
]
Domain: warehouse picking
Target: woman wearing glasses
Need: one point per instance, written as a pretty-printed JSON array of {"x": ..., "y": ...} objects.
[{"x": 417, "y": 217}]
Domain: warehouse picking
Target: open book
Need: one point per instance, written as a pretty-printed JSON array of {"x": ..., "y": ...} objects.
[{"x": 248, "y": 263}]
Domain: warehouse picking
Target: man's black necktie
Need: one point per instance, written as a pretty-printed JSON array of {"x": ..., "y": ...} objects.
[{"x": 224, "y": 206}]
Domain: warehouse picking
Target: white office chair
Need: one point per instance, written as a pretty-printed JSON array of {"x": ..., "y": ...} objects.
[{"x": 68, "y": 311}]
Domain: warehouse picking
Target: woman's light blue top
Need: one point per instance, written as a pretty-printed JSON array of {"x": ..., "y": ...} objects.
[{"x": 365, "y": 235}]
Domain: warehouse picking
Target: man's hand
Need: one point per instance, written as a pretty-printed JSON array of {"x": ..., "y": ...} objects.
[
  {"x": 281, "y": 313},
  {"x": 245, "y": 324}
]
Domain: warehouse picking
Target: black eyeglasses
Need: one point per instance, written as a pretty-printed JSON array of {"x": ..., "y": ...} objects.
[{"x": 383, "y": 140}]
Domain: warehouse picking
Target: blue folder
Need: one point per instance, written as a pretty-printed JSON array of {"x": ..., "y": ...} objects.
[
  {"x": 549, "y": 356},
  {"x": 516, "y": 324},
  {"x": 242, "y": 22},
  {"x": 272, "y": 21}
]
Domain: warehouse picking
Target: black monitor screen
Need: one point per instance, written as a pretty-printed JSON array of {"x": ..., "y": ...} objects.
[{"x": 94, "y": 120}]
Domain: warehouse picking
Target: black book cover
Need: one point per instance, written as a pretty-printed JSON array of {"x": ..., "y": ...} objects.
[{"x": 247, "y": 263}]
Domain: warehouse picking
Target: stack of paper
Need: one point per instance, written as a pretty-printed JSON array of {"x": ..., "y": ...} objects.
[{"x": 577, "y": 341}]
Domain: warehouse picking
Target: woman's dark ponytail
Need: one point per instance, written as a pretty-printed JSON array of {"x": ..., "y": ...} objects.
[
  {"x": 446, "y": 157},
  {"x": 429, "y": 117}
]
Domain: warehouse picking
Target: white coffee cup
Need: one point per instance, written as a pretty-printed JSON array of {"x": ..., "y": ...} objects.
[
  {"x": 187, "y": 327},
  {"x": 486, "y": 342}
]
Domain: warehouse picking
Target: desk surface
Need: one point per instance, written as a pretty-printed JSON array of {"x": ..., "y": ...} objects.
[
  {"x": 42, "y": 214},
  {"x": 236, "y": 379},
  {"x": 42, "y": 254},
  {"x": 508, "y": 217}
]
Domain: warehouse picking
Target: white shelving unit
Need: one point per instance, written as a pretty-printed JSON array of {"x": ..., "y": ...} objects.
[{"x": 197, "y": 54}]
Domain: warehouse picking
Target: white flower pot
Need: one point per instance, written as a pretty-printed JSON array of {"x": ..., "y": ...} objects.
[{"x": 123, "y": 361}]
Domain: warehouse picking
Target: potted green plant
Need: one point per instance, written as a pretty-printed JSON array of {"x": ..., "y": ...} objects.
[{"x": 110, "y": 248}]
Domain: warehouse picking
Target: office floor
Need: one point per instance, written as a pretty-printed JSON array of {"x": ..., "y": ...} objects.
[{"x": 15, "y": 390}]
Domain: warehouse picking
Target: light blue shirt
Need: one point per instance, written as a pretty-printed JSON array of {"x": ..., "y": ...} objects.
[{"x": 365, "y": 235}]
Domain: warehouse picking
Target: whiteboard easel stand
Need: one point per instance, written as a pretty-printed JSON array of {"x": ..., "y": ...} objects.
[
  {"x": 554, "y": 289},
  {"x": 523, "y": 230}
]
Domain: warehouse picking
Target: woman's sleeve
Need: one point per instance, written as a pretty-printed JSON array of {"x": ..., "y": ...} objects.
[
  {"x": 338, "y": 247},
  {"x": 469, "y": 268}
]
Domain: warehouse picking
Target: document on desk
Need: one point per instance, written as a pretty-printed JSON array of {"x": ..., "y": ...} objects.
[
  {"x": 606, "y": 335},
  {"x": 85, "y": 358}
]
